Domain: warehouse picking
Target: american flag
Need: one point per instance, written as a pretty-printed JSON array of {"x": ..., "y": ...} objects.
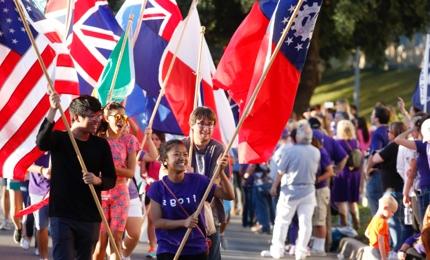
[
  {"x": 95, "y": 34},
  {"x": 23, "y": 86}
]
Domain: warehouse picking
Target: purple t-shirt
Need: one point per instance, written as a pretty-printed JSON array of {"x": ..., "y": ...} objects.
[
  {"x": 189, "y": 193},
  {"x": 325, "y": 161},
  {"x": 39, "y": 185},
  {"x": 422, "y": 165},
  {"x": 333, "y": 149},
  {"x": 379, "y": 139}
]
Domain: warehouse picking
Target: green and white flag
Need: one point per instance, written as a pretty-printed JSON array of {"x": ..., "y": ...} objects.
[{"x": 124, "y": 82}]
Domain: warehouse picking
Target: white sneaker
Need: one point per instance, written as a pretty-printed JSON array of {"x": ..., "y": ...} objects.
[
  {"x": 267, "y": 253},
  {"x": 318, "y": 253},
  {"x": 24, "y": 243},
  {"x": 5, "y": 225},
  {"x": 292, "y": 250},
  {"x": 36, "y": 251}
]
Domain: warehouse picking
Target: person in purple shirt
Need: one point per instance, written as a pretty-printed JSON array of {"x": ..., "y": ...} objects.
[
  {"x": 374, "y": 190},
  {"x": 423, "y": 169},
  {"x": 176, "y": 197},
  {"x": 38, "y": 188},
  {"x": 319, "y": 219},
  {"x": 346, "y": 185}
]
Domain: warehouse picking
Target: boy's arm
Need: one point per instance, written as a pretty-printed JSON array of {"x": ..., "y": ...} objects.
[
  {"x": 43, "y": 139},
  {"x": 381, "y": 245}
]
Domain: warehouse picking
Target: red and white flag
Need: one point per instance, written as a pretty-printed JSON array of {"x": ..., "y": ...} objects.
[
  {"x": 23, "y": 86},
  {"x": 181, "y": 86}
]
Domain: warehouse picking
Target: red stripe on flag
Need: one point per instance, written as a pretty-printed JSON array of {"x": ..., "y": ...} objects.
[
  {"x": 98, "y": 35},
  {"x": 33, "y": 207},
  {"x": 27, "y": 160},
  {"x": 65, "y": 60},
  {"x": 67, "y": 87},
  {"x": 180, "y": 91},
  {"x": 8, "y": 65},
  {"x": 53, "y": 37},
  {"x": 25, "y": 86},
  {"x": 25, "y": 129},
  {"x": 23, "y": 164},
  {"x": 85, "y": 59}
]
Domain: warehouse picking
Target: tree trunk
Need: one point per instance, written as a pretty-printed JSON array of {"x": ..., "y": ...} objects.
[{"x": 311, "y": 75}]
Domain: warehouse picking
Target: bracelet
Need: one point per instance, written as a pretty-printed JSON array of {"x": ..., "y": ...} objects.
[{"x": 41, "y": 170}]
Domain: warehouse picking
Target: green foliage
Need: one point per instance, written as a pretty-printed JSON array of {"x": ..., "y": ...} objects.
[
  {"x": 376, "y": 86},
  {"x": 370, "y": 25}
]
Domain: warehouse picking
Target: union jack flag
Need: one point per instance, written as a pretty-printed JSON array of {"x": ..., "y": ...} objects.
[
  {"x": 23, "y": 86},
  {"x": 94, "y": 35}
]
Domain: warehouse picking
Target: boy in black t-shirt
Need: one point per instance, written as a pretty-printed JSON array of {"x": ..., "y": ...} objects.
[{"x": 73, "y": 213}]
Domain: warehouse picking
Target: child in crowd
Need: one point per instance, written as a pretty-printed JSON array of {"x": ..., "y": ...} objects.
[{"x": 377, "y": 231}]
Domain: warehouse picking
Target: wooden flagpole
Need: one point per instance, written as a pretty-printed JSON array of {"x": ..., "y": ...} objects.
[
  {"x": 166, "y": 79},
  {"x": 247, "y": 110},
  {"x": 197, "y": 89},
  {"x": 66, "y": 123},
  {"x": 67, "y": 25},
  {"x": 139, "y": 21},
  {"x": 121, "y": 53}
]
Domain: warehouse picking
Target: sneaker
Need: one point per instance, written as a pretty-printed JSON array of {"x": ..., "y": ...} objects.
[
  {"x": 292, "y": 250},
  {"x": 152, "y": 254},
  {"x": 17, "y": 235},
  {"x": 318, "y": 253},
  {"x": 5, "y": 225},
  {"x": 256, "y": 228},
  {"x": 36, "y": 251},
  {"x": 266, "y": 253},
  {"x": 25, "y": 243}
]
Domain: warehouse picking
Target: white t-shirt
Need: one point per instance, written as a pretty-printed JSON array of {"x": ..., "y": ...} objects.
[{"x": 404, "y": 157}]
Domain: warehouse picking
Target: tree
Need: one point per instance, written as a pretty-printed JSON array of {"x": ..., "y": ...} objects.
[
  {"x": 343, "y": 25},
  {"x": 368, "y": 24}
]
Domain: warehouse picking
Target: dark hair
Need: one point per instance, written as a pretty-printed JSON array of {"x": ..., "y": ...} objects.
[
  {"x": 166, "y": 147},
  {"x": 160, "y": 135},
  {"x": 382, "y": 113},
  {"x": 82, "y": 105},
  {"x": 293, "y": 135},
  {"x": 362, "y": 124},
  {"x": 202, "y": 113},
  {"x": 397, "y": 128}
]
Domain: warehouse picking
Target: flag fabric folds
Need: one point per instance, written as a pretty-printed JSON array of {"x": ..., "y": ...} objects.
[
  {"x": 180, "y": 89},
  {"x": 95, "y": 33},
  {"x": 23, "y": 86},
  {"x": 244, "y": 60},
  {"x": 422, "y": 90},
  {"x": 160, "y": 19},
  {"x": 124, "y": 82}
]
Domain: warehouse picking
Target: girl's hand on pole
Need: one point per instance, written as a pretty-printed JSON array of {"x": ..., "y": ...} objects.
[
  {"x": 191, "y": 222},
  {"x": 54, "y": 100}
]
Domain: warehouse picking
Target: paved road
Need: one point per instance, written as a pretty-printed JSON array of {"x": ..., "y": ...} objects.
[{"x": 242, "y": 244}]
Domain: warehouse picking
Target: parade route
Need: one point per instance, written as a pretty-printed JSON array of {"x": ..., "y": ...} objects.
[{"x": 241, "y": 244}]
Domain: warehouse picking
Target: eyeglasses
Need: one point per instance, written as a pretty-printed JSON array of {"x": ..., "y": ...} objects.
[
  {"x": 203, "y": 125},
  {"x": 119, "y": 117}
]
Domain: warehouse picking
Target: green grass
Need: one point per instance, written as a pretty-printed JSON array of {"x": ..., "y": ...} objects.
[{"x": 376, "y": 86}]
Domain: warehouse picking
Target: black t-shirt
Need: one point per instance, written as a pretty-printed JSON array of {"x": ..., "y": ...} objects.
[
  {"x": 69, "y": 196},
  {"x": 390, "y": 176}
]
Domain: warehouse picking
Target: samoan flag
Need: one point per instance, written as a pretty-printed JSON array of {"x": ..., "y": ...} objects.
[
  {"x": 245, "y": 59},
  {"x": 422, "y": 89},
  {"x": 95, "y": 34},
  {"x": 160, "y": 19}
]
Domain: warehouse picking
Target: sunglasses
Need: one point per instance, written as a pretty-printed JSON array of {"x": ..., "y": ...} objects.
[{"x": 119, "y": 117}]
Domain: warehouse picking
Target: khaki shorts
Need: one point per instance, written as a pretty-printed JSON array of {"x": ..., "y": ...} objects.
[{"x": 323, "y": 203}]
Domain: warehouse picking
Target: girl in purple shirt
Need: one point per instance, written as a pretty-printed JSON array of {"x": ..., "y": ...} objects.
[{"x": 176, "y": 197}]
